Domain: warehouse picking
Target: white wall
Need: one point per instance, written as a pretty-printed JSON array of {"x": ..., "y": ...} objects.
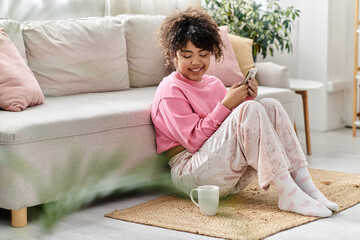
[
  {"x": 323, "y": 51},
  {"x": 340, "y": 64},
  {"x": 312, "y": 58}
]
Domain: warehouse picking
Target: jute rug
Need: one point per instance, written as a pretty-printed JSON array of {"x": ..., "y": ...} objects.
[{"x": 251, "y": 214}]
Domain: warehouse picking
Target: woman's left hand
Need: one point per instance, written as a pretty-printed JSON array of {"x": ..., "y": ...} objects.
[{"x": 253, "y": 87}]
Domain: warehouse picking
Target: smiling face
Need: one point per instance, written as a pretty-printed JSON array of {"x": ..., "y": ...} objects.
[{"x": 192, "y": 62}]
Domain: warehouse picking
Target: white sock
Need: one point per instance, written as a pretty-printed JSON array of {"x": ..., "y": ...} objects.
[
  {"x": 293, "y": 199},
  {"x": 303, "y": 180}
]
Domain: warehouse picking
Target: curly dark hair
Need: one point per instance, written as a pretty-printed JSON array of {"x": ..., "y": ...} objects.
[{"x": 194, "y": 24}]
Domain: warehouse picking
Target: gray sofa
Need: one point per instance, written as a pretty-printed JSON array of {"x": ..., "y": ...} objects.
[{"x": 87, "y": 110}]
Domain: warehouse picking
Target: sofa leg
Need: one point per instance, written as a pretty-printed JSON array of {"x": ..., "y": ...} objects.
[{"x": 19, "y": 217}]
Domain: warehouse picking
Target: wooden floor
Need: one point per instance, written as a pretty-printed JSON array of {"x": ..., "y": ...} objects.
[{"x": 336, "y": 151}]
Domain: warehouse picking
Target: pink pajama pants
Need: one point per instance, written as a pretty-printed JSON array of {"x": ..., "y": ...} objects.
[{"x": 257, "y": 137}]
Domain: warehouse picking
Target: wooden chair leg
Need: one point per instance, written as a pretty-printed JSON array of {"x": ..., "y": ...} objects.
[{"x": 19, "y": 217}]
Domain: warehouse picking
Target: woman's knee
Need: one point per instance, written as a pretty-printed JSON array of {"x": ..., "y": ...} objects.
[
  {"x": 252, "y": 104},
  {"x": 270, "y": 103},
  {"x": 250, "y": 108}
]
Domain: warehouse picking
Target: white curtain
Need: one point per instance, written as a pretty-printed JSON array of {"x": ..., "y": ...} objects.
[
  {"x": 163, "y": 7},
  {"x": 22, "y": 10}
]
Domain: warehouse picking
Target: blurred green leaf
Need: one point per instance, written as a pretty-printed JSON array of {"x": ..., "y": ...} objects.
[{"x": 75, "y": 186}]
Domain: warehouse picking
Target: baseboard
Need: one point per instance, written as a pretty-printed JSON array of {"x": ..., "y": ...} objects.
[{"x": 347, "y": 126}]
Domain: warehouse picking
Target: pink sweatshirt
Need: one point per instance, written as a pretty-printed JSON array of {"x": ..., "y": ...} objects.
[{"x": 186, "y": 112}]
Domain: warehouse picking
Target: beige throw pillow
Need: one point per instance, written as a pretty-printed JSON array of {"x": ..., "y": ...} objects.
[
  {"x": 243, "y": 51},
  {"x": 77, "y": 56},
  {"x": 145, "y": 58}
]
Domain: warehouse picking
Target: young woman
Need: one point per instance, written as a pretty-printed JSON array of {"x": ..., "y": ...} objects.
[{"x": 218, "y": 137}]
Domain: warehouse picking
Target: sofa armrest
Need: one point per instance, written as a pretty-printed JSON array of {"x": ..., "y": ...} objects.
[{"x": 272, "y": 75}]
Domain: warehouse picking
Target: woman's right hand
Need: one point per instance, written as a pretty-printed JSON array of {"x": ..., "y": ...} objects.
[{"x": 235, "y": 95}]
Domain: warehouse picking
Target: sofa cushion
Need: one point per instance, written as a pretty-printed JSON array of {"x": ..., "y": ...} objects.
[
  {"x": 73, "y": 115},
  {"x": 77, "y": 56},
  {"x": 18, "y": 86},
  {"x": 12, "y": 28},
  {"x": 78, "y": 114},
  {"x": 145, "y": 58},
  {"x": 227, "y": 70}
]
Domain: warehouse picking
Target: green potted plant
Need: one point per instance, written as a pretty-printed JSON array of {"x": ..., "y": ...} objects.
[{"x": 264, "y": 21}]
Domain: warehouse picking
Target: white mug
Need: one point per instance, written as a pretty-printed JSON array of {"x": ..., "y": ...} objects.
[{"x": 208, "y": 196}]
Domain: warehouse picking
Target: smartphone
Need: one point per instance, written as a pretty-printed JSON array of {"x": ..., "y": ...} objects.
[{"x": 250, "y": 74}]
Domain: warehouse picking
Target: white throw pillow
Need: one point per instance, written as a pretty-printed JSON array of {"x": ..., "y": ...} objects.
[
  {"x": 272, "y": 75},
  {"x": 12, "y": 29},
  {"x": 77, "y": 56},
  {"x": 145, "y": 58}
]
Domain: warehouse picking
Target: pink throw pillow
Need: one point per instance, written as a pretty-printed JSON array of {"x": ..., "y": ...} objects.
[
  {"x": 18, "y": 86},
  {"x": 227, "y": 70}
]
